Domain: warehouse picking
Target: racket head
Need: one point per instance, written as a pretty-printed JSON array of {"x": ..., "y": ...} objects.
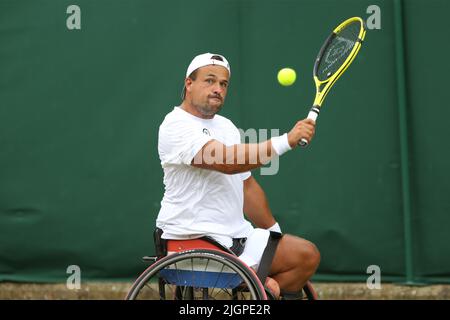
[{"x": 336, "y": 54}]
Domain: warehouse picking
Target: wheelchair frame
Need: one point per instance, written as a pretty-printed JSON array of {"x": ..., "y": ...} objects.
[{"x": 170, "y": 252}]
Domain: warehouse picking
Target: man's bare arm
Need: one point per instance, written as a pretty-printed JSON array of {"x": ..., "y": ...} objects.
[
  {"x": 233, "y": 159},
  {"x": 245, "y": 157},
  {"x": 256, "y": 206}
]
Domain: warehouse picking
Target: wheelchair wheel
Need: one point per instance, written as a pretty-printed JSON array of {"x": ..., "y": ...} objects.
[
  {"x": 199, "y": 274},
  {"x": 308, "y": 292}
]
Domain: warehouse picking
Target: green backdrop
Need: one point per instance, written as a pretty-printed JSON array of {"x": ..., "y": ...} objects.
[{"x": 80, "y": 179}]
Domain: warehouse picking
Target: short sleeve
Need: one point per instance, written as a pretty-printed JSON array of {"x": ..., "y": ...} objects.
[
  {"x": 245, "y": 175},
  {"x": 179, "y": 141}
]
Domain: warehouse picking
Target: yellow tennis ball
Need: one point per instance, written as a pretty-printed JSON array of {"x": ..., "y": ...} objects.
[{"x": 286, "y": 76}]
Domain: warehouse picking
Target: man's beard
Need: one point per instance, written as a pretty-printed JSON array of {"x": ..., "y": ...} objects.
[{"x": 206, "y": 109}]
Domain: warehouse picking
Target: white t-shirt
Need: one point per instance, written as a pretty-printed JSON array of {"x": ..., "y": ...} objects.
[{"x": 197, "y": 201}]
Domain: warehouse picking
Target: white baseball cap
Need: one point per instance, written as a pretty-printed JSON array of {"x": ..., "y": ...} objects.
[{"x": 207, "y": 59}]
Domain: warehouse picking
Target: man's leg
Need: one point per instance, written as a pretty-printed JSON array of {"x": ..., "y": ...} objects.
[{"x": 295, "y": 261}]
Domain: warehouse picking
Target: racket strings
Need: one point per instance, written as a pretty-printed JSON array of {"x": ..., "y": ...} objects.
[{"x": 338, "y": 50}]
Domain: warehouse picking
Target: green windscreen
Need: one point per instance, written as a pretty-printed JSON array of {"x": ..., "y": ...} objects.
[{"x": 80, "y": 178}]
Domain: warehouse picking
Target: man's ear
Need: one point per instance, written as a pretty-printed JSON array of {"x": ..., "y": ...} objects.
[{"x": 188, "y": 84}]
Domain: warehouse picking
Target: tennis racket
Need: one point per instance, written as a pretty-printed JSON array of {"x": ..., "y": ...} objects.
[{"x": 336, "y": 54}]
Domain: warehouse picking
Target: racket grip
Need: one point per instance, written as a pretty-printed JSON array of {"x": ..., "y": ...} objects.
[{"x": 313, "y": 114}]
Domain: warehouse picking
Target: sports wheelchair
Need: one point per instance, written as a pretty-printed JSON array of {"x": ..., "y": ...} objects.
[{"x": 203, "y": 269}]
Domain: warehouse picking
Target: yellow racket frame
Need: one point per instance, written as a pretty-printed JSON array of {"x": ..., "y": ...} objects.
[{"x": 323, "y": 87}]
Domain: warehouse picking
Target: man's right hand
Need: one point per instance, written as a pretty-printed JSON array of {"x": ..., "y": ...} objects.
[{"x": 303, "y": 129}]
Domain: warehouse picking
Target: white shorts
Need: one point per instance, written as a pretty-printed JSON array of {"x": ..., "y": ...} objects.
[{"x": 254, "y": 247}]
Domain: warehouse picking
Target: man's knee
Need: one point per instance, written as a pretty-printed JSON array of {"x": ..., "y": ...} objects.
[
  {"x": 296, "y": 253},
  {"x": 309, "y": 256},
  {"x": 314, "y": 255}
]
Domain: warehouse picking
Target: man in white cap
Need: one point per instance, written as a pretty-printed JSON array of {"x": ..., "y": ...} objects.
[{"x": 208, "y": 185}]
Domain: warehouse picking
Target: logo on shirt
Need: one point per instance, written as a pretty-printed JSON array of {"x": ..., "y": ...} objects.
[{"x": 206, "y": 131}]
